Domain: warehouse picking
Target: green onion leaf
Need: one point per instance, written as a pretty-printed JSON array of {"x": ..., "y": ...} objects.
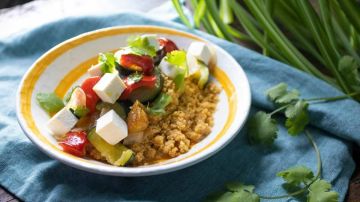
[{"x": 181, "y": 13}]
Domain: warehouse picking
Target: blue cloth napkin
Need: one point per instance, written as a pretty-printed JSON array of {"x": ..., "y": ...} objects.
[{"x": 32, "y": 176}]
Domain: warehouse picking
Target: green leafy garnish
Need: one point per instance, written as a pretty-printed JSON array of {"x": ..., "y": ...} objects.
[
  {"x": 297, "y": 117},
  {"x": 262, "y": 129},
  {"x": 50, "y": 102},
  {"x": 108, "y": 62},
  {"x": 159, "y": 105},
  {"x": 276, "y": 91},
  {"x": 178, "y": 59},
  {"x": 319, "y": 191},
  {"x": 296, "y": 175},
  {"x": 280, "y": 95},
  {"x": 140, "y": 45},
  {"x": 236, "y": 192},
  {"x": 134, "y": 78}
]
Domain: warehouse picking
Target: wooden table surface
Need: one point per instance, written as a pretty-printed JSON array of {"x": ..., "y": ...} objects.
[{"x": 26, "y": 16}]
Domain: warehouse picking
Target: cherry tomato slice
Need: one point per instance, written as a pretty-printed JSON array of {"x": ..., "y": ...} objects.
[
  {"x": 137, "y": 63},
  {"x": 167, "y": 44},
  {"x": 146, "y": 81},
  {"x": 91, "y": 96},
  {"x": 75, "y": 143}
]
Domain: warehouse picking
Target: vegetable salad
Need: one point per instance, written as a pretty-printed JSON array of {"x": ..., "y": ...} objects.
[{"x": 112, "y": 106}]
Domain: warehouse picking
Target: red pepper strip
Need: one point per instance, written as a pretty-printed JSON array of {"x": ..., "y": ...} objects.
[
  {"x": 75, "y": 143},
  {"x": 167, "y": 44},
  {"x": 91, "y": 96},
  {"x": 146, "y": 81},
  {"x": 137, "y": 63}
]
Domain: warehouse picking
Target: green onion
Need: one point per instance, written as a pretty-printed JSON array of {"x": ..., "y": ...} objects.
[{"x": 312, "y": 36}]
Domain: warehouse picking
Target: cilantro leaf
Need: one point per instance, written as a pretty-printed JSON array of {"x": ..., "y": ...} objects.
[
  {"x": 140, "y": 45},
  {"x": 349, "y": 69},
  {"x": 288, "y": 97},
  {"x": 262, "y": 129},
  {"x": 50, "y": 102},
  {"x": 158, "y": 106},
  {"x": 237, "y": 192},
  {"x": 319, "y": 191},
  {"x": 297, "y": 117},
  {"x": 280, "y": 95},
  {"x": 276, "y": 91},
  {"x": 109, "y": 62},
  {"x": 296, "y": 175}
]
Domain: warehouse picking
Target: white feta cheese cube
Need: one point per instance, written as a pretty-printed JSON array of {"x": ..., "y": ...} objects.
[
  {"x": 193, "y": 64},
  {"x": 153, "y": 41},
  {"x": 95, "y": 70},
  {"x": 109, "y": 88},
  {"x": 167, "y": 68},
  {"x": 111, "y": 127},
  {"x": 201, "y": 51},
  {"x": 62, "y": 122}
]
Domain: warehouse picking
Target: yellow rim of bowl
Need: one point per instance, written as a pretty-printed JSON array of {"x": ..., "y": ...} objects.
[{"x": 40, "y": 66}]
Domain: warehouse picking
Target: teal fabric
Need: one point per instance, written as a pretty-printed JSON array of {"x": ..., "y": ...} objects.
[{"x": 32, "y": 176}]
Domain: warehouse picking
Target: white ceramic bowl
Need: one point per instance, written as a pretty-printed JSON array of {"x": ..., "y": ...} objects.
[{"x": 65, "y": 65}]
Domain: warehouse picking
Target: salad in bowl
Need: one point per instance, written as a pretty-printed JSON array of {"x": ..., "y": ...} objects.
[{"x": 147, "y": 102}]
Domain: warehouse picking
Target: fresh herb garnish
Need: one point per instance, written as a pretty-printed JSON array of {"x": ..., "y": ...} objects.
[
  {"x": 159, "y": 105},
  {"x": 262, "y": 129},
  {"x": 262, "y": 126},
  {"x": 319, "y": 191},
  {"x": 301, "y": 178},
  {"x": 50, "y": 102},
  {"x": 178, "y": 59},
  {"x": 236, "y": 192},
  {"x": 108, "y": 62},
  {"x": 140, "y": 45}
]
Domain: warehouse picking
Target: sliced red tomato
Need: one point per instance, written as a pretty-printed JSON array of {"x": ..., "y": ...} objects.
[
  {"x": 134, "y": 62},
  {"x": 167, "y": 44},
  {"x": 146, "y": 81},
  {"x": 75, "y": 143},
  {"x": 91, "y": 96}
]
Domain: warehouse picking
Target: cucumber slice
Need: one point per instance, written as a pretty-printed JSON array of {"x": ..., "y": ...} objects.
[
  {"x": 145, "y": 94},
  {"x": 117, "y": 107},
  {"x": 117, "y": 155}
]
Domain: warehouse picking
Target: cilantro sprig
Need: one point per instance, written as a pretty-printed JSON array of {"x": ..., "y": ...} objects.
[
  {"x": 263, "y": 129},
  {"x": 301, "y": 178},
  {"x": 140, "y": 45}
]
